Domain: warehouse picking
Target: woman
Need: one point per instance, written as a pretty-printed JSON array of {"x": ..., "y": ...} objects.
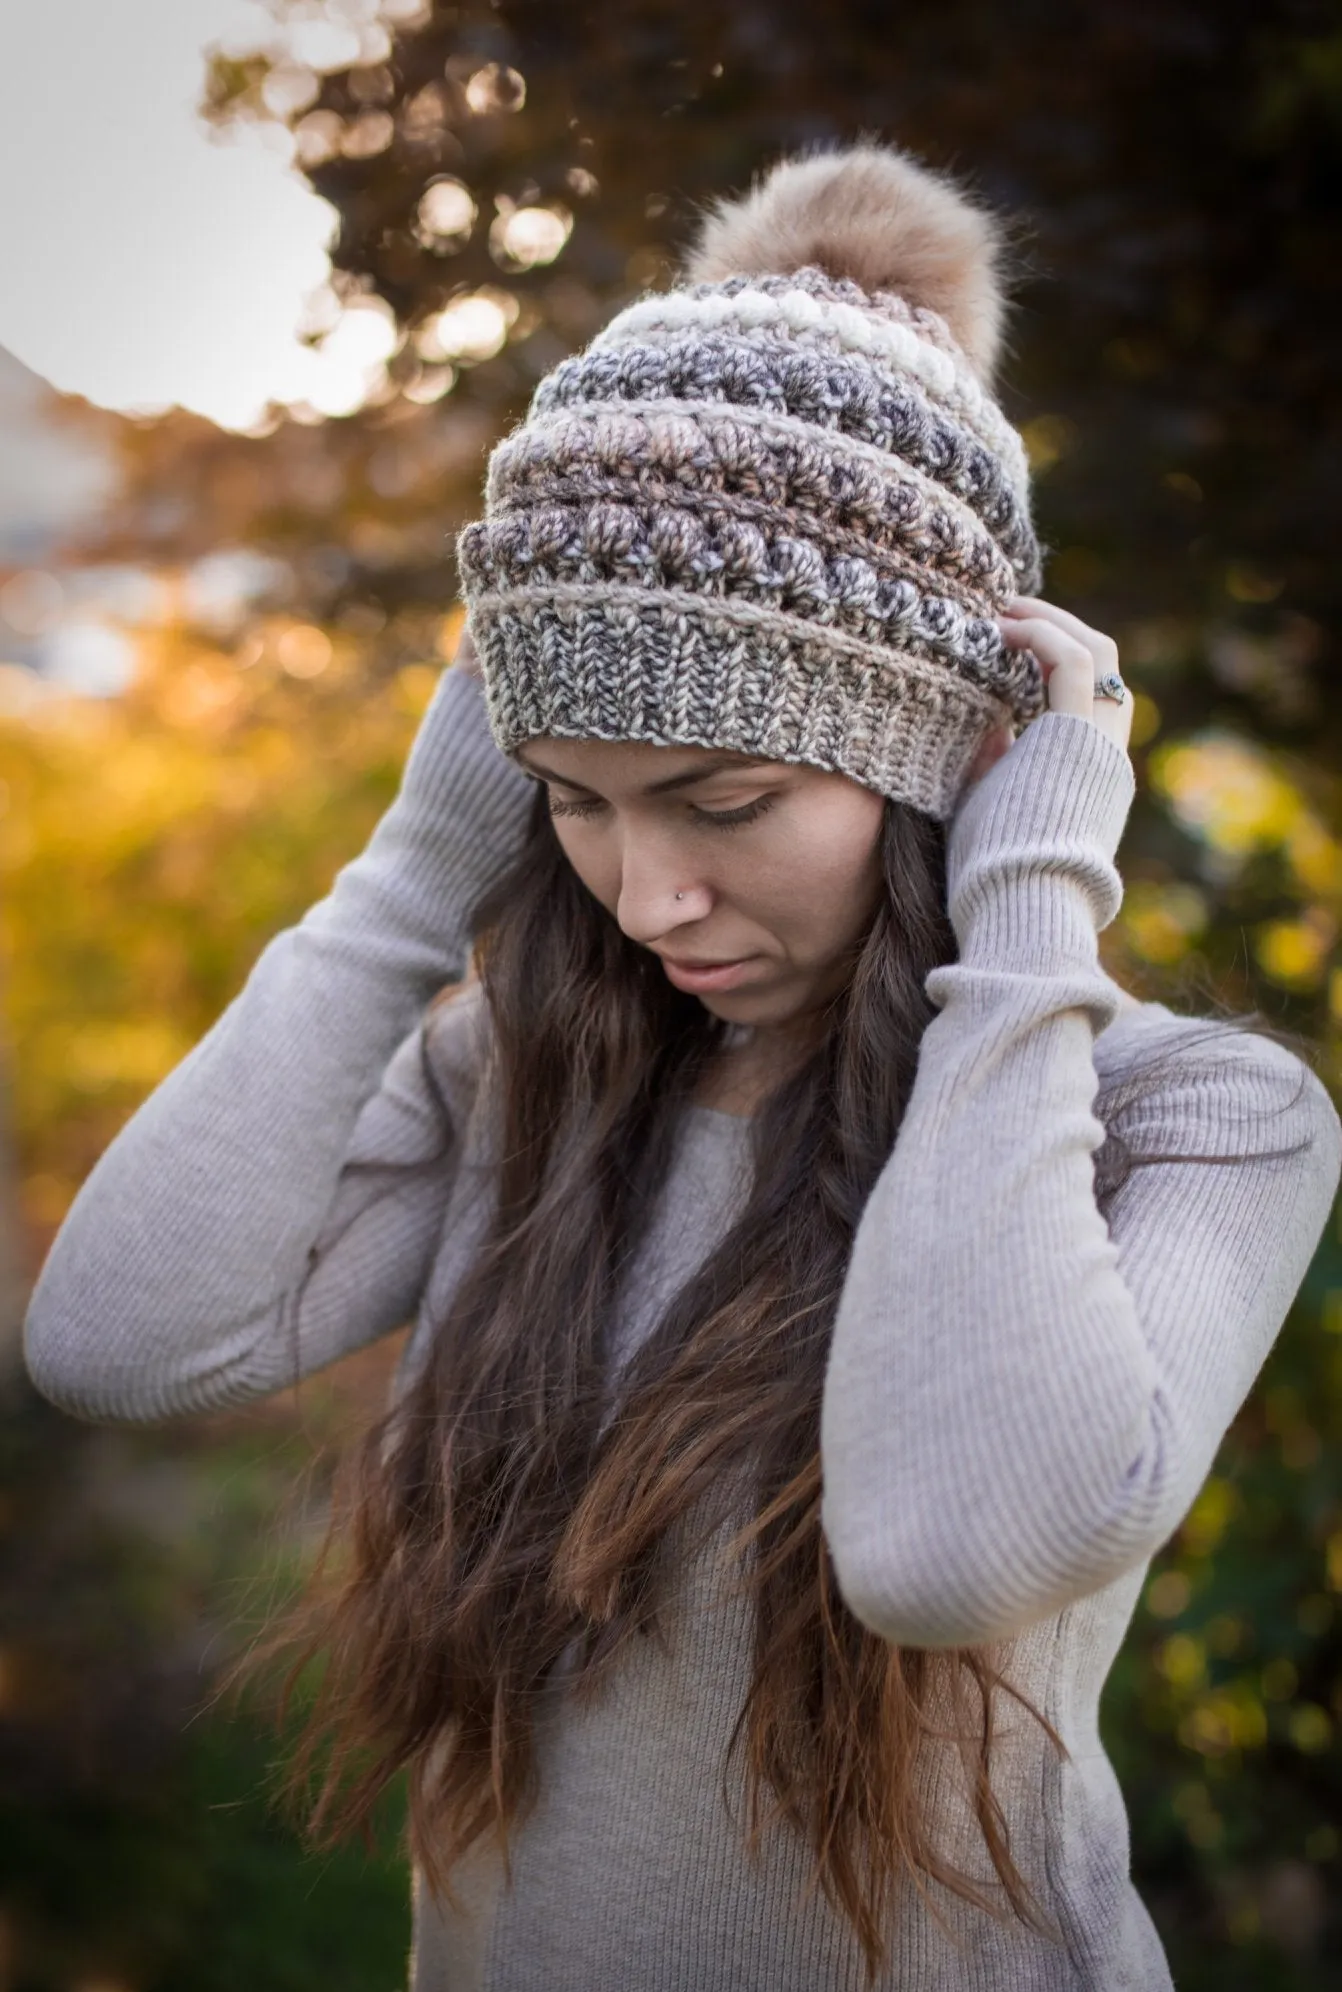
[{"x": 830, "y": 1288}]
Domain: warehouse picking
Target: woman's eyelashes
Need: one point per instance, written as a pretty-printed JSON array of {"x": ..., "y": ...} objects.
[
  {"x": 732, "y": 819},
  {"x": 558, "y": 808},
  {"x": 721, "y": 819}
]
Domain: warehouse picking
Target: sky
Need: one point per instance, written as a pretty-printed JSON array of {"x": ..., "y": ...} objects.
[{"x": 143, "y": 261}]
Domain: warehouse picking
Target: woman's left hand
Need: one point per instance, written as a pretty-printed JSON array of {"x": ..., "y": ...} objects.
[{"x": 1072, "y": 656}]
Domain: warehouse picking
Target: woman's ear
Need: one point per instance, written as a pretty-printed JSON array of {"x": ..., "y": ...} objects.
[{"x": 995, "y": 744}]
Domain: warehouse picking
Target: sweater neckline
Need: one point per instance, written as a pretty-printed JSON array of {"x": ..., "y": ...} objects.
[{"x": 720, "y": 1114}]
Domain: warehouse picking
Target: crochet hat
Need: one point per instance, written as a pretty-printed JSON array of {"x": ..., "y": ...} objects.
[{"x": 776, "y": 508}]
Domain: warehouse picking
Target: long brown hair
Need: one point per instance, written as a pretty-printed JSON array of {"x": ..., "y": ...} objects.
[{"x": 498, "y": 1516}]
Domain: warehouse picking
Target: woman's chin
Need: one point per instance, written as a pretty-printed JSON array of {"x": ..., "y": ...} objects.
[
  {"x": 756, "y": 1008},
  {"x": 792, "y": 1003}
]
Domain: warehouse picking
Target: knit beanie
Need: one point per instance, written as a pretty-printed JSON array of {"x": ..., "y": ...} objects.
[{"x": 776, "y": 508}]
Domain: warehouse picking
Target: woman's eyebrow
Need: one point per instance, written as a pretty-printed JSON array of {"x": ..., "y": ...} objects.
[
  {"x": 548, "y": 774},
  {"x": 702, "y": 772},
  {"x": 699, "y": 773}
]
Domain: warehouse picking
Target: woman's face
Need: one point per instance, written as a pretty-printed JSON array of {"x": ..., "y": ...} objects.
[{"x": 778, "y": 867}]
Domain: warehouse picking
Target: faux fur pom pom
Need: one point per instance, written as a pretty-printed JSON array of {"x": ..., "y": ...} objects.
[{"x": 874, "y": 215}]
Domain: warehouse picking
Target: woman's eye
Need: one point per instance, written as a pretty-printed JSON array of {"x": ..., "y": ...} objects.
[
  {"x": 732, "y": 819},
  {"x": 584, "y": 808},
  {"x": 721, "y": 819}
]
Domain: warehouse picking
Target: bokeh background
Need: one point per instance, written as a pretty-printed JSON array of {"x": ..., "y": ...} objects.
[{"x": 226, "y": 588}]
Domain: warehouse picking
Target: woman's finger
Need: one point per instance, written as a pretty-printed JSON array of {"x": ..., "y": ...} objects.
[
  {"x": 1102, "y": 647},
  {"x": 1070, "y": 668}
]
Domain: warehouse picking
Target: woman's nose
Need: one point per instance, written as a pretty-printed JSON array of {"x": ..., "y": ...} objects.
[{"x": 658, "y": 894}]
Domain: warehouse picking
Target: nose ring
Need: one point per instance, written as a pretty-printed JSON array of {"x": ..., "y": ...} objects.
[{"x": 680, "y": 895}]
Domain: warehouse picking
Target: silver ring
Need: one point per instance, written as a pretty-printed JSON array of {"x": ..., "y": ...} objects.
[
  {"x": 680, "y": 895},
  {"x": 1111, "y": 686}
]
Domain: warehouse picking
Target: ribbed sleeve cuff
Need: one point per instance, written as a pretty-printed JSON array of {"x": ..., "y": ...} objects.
[{"x": 1031, "y": 878}]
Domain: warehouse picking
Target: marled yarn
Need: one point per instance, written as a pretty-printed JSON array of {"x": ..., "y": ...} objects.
[{"x": 772, "y": 514}]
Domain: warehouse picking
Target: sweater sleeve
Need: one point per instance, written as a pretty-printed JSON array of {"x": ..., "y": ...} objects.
[
  {"x": 1022, "y": 1400},
  {"x": 238, "y": 1233}
]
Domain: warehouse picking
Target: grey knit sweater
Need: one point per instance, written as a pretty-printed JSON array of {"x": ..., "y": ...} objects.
[{"x": 1021, "y": 1403}]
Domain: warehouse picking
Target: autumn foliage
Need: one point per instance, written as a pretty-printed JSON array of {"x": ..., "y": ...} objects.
[{"x": 1173, "y": 374}]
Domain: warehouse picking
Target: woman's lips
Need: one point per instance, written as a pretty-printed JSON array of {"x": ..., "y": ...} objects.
[{"x": 710, "y": 976}]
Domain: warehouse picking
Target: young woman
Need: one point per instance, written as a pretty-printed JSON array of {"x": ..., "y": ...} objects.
[{"x": 830, "y": 1289}]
